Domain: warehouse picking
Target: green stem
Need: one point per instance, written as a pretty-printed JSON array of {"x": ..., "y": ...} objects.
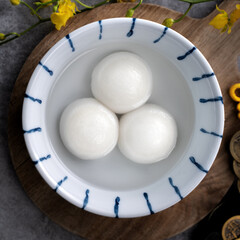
[
  {"x": 131, "y": 11},
  {"x": 34, "y": 25},
  {"x": 12, "y": 33},
  {"x": 139, "y": 3},
  {"x": 184, "y": 15},
  {"x": 84, "y": 5},
  {"x": 95, "y": 6},
  {"x": 101, "y": 3},
  {"x": 32, "y": 10},
  {"x": 17, "y": 35}
]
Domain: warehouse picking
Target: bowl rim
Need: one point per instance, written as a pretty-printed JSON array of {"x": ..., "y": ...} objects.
[{"x": 145, "y": 206}]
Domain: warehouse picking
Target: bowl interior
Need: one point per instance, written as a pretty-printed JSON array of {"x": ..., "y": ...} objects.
[{"x": 169, "y": 91}]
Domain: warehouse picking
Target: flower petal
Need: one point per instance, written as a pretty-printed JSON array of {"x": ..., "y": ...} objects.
[
  {"x": 221, "y": 10},
  {"x": 235, "y": 15},
  {"x": 65, "y": 10},
  {"x": 220, "y": 21},
  {"x": 60, "y": 19}
]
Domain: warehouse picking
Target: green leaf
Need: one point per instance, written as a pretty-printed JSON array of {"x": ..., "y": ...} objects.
[{"x": 196, "y": 1}]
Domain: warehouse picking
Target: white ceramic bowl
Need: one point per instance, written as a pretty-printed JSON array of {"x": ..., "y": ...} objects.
[{"x": 183, "y": 83}]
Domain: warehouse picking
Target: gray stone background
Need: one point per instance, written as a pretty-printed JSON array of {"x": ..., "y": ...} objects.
[{"x": 19, "y": 217}]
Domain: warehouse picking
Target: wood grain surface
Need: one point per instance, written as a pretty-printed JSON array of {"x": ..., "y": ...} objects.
[{"x": 221, "y": 50}]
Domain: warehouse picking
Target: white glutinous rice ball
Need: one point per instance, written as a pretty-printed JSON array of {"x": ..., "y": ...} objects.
[
  {"x": 88, "y": 129},
  {"x": 122, "y": 81},
  {"x": 147, "y": 134}
]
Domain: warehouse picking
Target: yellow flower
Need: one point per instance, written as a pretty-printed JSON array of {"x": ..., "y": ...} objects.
[
  {"x": 235, "y": 15},
  {"x": 15, "y": 2},
  {"x": 65, "y": 11},
  {"x": 168, "y": 22},
  {"x": 223, "y": 21}
]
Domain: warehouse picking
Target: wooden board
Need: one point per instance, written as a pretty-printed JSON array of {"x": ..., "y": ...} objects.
[{"x": 221, "y": 50}]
